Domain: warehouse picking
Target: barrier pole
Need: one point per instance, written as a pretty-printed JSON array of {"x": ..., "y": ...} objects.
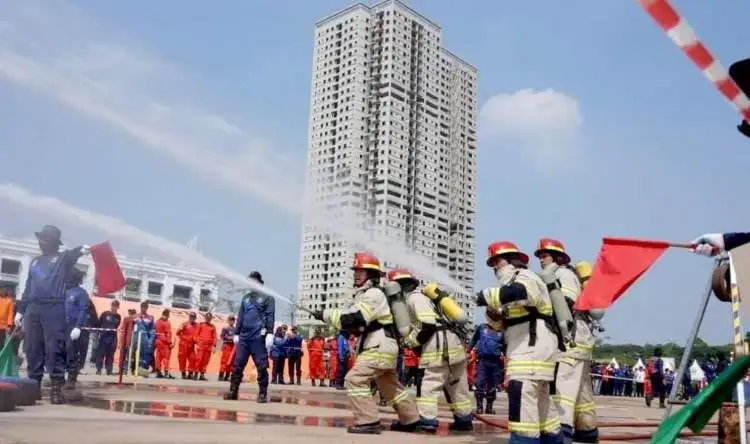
[
  {"x": 130, "y": 355},
  {"x": 138, "y": 359}
]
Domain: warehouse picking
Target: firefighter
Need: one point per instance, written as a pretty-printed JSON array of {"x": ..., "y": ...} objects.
[
  {"x": 315, "y": 351},
  {"x": 370, "y": 316},
  {"x": 522, "y": 309},
  {"x": 441, "y": 355},
  {"x": 574, "y": 394},
  {"x": 227, "y": 349},
  {"x": 186, "y": 351}
]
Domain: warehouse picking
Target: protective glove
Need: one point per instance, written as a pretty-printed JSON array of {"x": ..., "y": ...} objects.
[
  {"x": 269, "y": 340},
  {"x": 75, "y": 334},
  {"x": 18, "y": 320},
  {"x": 263, "y": 331},
  {"x": 318, "y": 314},
  {"x": 85, "y": 249},
  {"x": 709, "y": 244},
  {"x": 236, "y": 338}
]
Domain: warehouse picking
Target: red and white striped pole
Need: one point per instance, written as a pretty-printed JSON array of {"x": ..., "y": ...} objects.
[{"x": 684, "y": 36}]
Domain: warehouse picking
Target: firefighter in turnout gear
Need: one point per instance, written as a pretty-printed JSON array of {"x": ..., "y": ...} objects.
[
  {"x": 441, "y": 355},
  {"x": 521, "y": 307},
  {"x": 574, "y": 395},
  {"x": 370, "y": 317}
]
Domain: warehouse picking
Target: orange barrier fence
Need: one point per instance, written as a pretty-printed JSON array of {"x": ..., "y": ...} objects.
[{"x": 178, "y": 317}]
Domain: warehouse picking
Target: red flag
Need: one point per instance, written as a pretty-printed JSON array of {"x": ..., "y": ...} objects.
[
  {"x": 620, "y": 263},
  {"x": 108, "y": 275}
]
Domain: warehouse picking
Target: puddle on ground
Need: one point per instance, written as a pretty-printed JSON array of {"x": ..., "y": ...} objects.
[{"x": 170, "y": 410}]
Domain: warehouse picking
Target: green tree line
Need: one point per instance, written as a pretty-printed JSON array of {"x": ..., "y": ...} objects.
[{"x": 628, "y": 354}]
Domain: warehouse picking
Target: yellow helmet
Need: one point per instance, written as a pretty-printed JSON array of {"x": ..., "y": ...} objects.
[{"x": 583, "y": 270}]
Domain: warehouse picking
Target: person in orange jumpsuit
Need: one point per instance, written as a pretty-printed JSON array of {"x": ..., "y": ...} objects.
[
  {"x": 186, "y": 351},
  {"x": 471, "y": 368},
  {"x": 315, "y": 353},
  {"x": 163, "y": 345},
  {"x": 126, "y": 331},
  {"x": 332, "y": 361},
  {"x": 227, "y": 349},
  {"x": 206, "y": 339}
]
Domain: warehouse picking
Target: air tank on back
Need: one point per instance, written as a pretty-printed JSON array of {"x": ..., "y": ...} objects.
[
  {"x": 448, "y": 306},
  {"x": 399, "y": 310}
]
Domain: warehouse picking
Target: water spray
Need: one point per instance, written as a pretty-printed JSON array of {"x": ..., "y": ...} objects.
[
  {"x": 91, "y": 84},
  {"x": 122, "y": 230}
]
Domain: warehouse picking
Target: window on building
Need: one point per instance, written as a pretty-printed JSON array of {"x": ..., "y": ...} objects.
[
  {"x": 133, "y": 289},
  {"x": 10, "y": 267},
  {"x": 155, "y": 290},
  {"x": 182, "y": 297}
]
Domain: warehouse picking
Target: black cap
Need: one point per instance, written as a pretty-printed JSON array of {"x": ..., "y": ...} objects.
[
  {"x": 740, "y": 73},
  {"x": 256, "y": 275},
  {"x": 49, "y": 233}
]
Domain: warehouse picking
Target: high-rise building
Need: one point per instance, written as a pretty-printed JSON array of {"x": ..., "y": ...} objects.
[{"x": 392, "y": 137}]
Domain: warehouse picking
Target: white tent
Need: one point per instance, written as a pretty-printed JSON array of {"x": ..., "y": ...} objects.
[
  {"x": 696, "y": 372},
  {"x": 669, "y": 363},
  {"x": 614, "y": 362},
  {"x": 640, "y": 364}
]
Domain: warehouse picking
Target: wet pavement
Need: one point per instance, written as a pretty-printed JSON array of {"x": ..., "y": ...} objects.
[{"x": 183, "y": 411}]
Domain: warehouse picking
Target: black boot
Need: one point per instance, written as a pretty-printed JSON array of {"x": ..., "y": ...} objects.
[
  {"x": 56, "y": 391},
  {"x": 373, "y": 428},
  {"x": 159, "y": 374},
  {"x": 234, "y": 390},
  {"x": 567, "y": 433},
  {"x": 398, "y": 426},
  {"x": 480, "y": 403},
  {"x": 169, "y": 376},
  {"x": 39, "y": 389},
  {"x": 184, "y": 375},
  {"x": 262, "y": 396},
  {"x": 488, "y": 410},
  {"x": 195, "y": 376},
  {"x": 202, "y": 377},
  {"x": 70, "y": 384},
  {"x": 322, "y": 383},
  {"x": 313, "y": 383},
  {"x": 221, "y": 376}
]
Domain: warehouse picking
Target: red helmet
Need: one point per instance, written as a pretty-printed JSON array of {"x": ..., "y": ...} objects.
[
  {"x": 400, "y": 273},
  {"x": 554, "y": 246},
  {"x": 365, "y": 261},
  {"x": 502, "y": 248}
]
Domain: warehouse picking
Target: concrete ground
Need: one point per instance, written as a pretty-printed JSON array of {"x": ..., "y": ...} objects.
[{"x": 156, "y": 411}]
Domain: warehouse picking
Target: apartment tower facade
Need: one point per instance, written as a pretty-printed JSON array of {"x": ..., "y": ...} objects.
[{"x": 392, "y": 138}]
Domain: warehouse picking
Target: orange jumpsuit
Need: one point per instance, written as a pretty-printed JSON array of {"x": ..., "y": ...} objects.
[
  {"x": 206, "y": 338},
  {"x": 227, "y": 350},
  {"x": 315, "y": 354},
  {"x": 332, "y": 360},
  {"x": 186, "y": 353},
  {"x": 163, "y": 344},
  {"x": 126, "y": 330}
]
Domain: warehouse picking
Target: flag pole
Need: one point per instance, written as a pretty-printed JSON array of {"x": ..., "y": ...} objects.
[
  {"x": 739, "y": 345},
  {"x": 688, "y": 350}
]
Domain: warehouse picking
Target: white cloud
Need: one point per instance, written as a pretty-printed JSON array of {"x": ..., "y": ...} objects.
[
  {"x": 545, "y": 123},
  {"x": 57, "y": 52}
]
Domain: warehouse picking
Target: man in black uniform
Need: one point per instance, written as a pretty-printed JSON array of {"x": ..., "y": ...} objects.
[{"x": 105, "y": 349}]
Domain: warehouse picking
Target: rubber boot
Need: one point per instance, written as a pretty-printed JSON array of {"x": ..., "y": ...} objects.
[
  {"x": 195, "y": 376},
  {"x": 373, "y": 428},
  {"x": 313, "y": 383},
  {"x": 262, "y": 396},
  {"x": 322, "y": 383},
  {"x": 221, "y": 376},
  {"x": 56, "y": 396},
  {"x": 169, "y": 376},
  {"x": 190, "y": 375},
  {"x": 184, "y": 375},
  {"x": 70, "y": 384},
  {"x": 398, "y": 426},
  {"x": 159, "y": 374},
  {"x": 567, "y": 433},
  {"x": 461, "y": 424},
  {"x": 202, "y": 377},
  {"x": 427, "y": 425},
  {"x": 586, "y": 436},
  {"x": 488, "y": 410},
  {"x": 234, "y": 390},
  {"x": 480, "y": 403}
]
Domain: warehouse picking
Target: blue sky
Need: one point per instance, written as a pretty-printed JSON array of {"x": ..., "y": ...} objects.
[{"x": 631, "y": 140}]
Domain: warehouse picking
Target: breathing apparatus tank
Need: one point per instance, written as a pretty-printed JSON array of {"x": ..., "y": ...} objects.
[
  {"x": 560, "y": 304},
  {"x": 448, "y": 306},
  {"x": 399, "y": 309}
]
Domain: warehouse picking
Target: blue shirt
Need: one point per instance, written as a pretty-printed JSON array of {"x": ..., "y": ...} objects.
[{"x": 47, "y": 278}]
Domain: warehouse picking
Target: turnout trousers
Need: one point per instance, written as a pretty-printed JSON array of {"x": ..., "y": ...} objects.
[
  {"x": 532, "y": 415},
  {"x": 574, "y": 397},
  {"x": 364, "y": 406},
  {"x": 451, "y": 381}
]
